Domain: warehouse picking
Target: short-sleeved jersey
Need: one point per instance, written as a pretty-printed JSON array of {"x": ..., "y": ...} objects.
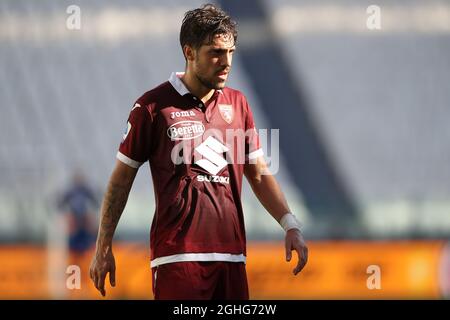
[{"x": 197, "y": 153}]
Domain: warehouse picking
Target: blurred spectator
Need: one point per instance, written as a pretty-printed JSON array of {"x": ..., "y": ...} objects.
[{"x": 78, "y": 203}]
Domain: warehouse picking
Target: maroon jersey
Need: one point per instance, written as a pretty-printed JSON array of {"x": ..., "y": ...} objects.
[{"x": 197, "y": 154}]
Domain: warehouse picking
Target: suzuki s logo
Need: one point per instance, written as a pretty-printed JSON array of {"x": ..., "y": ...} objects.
[{"x": 212, "y": 150}]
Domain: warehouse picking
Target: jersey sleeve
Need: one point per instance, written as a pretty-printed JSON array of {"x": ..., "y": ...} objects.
[
  {"x": 253, "y": 148},
  {"x": 135, "y": 147}
]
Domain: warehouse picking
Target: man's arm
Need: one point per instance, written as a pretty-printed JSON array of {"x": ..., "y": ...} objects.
[
  {"x": 114, "y": 202},
  {"x": 269, "y": 193}
]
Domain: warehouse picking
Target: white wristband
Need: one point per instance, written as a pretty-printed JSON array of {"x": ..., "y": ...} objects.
[{"x": 289, "y": 221}]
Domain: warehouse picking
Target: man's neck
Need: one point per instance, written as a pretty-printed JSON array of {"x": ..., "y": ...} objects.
[{"x": 196, "y": 88}]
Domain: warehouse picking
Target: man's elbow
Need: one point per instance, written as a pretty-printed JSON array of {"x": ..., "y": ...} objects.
[{"x": 253, "y": 174}]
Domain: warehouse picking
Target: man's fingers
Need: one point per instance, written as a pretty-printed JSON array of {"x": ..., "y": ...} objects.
[
  {"x": 288, "y": 246},
  {"x": 302, "y": 253},
  {"x": 99, "y": 278},
  {"x": 95, "y": 280},
  {"x": 305, "y": 250},
  {"x": 112, "y": 276},
  {"x": 294, "y": 241},
  {"x": 101, "y": 283}
]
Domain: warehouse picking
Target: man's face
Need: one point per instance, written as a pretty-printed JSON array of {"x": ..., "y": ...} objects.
[{"x": 212, "y": 62}]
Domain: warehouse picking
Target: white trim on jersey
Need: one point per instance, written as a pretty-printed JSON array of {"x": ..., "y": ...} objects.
[
  {"x": 178, "y": 84},
  {"x": 255, "y": 154},
  {"x": 184, "y": 257},
  {"x": 130, "y": 162}
]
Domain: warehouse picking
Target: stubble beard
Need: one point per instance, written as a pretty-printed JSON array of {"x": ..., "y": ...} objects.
[{"x": 210, "y": 84}]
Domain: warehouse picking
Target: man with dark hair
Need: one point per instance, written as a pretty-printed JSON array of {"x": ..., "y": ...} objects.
[{"x": 198, "y": 245}]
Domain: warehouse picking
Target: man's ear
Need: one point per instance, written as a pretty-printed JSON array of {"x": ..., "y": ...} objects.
[{"x": 189, "y": 53}]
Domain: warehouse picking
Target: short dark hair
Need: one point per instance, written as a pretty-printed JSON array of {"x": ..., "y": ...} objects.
[{"x": 201, "y": 25}]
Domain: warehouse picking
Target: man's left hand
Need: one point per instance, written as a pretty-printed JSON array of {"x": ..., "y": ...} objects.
[{"x": 294, "y": 241}]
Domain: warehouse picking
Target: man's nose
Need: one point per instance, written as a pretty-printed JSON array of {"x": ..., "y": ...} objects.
[{"x": 226, "y": 60}]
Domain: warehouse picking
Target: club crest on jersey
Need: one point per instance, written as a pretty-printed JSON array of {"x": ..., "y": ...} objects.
[{"x": 226, "y": 111}]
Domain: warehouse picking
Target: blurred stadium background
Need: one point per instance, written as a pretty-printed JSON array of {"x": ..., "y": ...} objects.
[{"x": 364, "y": 137}]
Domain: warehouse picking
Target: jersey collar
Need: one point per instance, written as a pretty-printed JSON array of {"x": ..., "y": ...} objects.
[{"x": 178, "y": 85}]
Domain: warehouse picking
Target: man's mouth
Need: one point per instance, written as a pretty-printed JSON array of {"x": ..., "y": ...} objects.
[{"x": 222, "y": 74}]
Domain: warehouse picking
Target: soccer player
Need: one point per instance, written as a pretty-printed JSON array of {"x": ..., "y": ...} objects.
[{"x": 197, "y": 237}]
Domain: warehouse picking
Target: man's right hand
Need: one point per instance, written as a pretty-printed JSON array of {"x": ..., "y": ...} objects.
[
  {"x": 102, "y": 263},
  {"x": 114, "y": 202}
]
